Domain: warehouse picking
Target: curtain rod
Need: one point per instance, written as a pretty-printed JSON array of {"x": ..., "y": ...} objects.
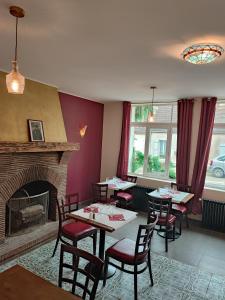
[{"x": 165, "y": 102}]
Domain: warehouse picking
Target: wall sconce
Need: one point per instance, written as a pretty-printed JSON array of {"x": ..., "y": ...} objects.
[{"x": 83, "y": 130}]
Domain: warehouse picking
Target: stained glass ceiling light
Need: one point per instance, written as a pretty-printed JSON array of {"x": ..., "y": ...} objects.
[{"x": 202, "y": 53}]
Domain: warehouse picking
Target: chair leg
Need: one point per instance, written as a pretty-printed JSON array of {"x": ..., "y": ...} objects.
[
  {"x": 174, "y": 230},
  {"x": 94, "y": 243},
  {"x": 56, "y": 245},
  {"x": 150, "y": 268},
  {"x": 122, "y": 265},
  {"x": 166, "y": 239},
  {"x": 187, "y": 220},
  {"x": 181, "y": 221},
  {"x": 105, "y": 269},
  {"x": 135, "y": 283}
]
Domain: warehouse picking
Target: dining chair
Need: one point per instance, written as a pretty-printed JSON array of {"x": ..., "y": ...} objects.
[
  {"x": 131, "y": 253},
  {"x": 161, "y": 207},
  {"x": 73, "y": 272},
  {"x": 70, "y": 229},
  {"x": 125, "y": 198},
  {"x": 100, "y": 194},
  {"x": 180, "y": 210}
]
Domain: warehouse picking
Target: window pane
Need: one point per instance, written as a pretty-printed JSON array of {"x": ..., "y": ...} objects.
[
  {"x": 137, "y": 149},
  {"x": 156, "y": 163},
  {"x": 173, "y": 153},
  {"x": 162, "y": 113},
  {"x": 220, "y": 113},
  {"x": 215, "y": 176},
  {"x": 139, "y": 113}
]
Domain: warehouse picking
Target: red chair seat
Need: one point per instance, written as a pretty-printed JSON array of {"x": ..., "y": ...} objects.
[
  {"x": 180, "y": 208},
  {"x": 125, "y": 196},
  {"x": 162, "y": 220},
  {"x": 77, "y": 229},
  {"x": 124, "y": 250}
]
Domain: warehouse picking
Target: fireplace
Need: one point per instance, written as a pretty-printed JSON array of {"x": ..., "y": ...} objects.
[
  {"x": 36, "y": 168},
  {"x": 30, "y": 207}
]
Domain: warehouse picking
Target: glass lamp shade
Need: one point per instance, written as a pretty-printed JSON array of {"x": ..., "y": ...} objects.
[
  {"x": 202, "y": 53},
  {"x": 15, "y": 82},
  {"x": 150, "y": 117}
]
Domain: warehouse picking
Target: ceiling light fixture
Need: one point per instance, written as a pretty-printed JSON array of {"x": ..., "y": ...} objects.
[
  {"x": 15, "y": 82},
  {"x": 151, "y": 110},
  {"x": 202, "y": 53}
]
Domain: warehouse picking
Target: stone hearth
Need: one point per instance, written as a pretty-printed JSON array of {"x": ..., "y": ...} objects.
[{"x": 21, "y": 164}]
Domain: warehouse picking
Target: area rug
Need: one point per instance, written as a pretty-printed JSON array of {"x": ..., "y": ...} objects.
[{"x": 172, "y": 279}]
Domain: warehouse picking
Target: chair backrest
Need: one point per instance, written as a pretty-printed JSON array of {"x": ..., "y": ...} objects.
[
  {"x": 85, "y": 278},
  {"x": 144, "y": 236},
  {"x": 129, "y": 178},
  {"x": 100, "y": 192},
  {"x": 158, "y": 206},
  {"x": 66, "y": 204},
  {"x": 181, "y": 187}
]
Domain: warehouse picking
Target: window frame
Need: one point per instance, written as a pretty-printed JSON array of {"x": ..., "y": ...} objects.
[
  {"x": 208, "y": 186},
  {"x": 169, "y": 127}
]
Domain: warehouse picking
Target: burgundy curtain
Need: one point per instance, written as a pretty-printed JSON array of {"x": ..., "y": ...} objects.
[
  {"x": 122, "y": 166},
  {"x": 184, "y": 126},
  {"x": 202, "y": 151}
]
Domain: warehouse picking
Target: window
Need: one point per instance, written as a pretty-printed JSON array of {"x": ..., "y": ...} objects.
[
  {"x": 152, "y": 151},
  {"x": 215, "y": 176}
]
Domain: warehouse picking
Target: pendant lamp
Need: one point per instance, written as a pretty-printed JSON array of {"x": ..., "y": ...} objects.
[{"x": 15, "y": 81}]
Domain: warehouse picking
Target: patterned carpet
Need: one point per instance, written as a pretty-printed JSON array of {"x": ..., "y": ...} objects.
[{"x": 173, "y": 279}]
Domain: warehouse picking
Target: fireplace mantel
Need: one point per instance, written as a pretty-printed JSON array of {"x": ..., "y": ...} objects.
[{"x": 16, "y": 147}]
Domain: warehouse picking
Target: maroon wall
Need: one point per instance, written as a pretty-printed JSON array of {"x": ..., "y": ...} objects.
[{"x": 84, "y": 165}]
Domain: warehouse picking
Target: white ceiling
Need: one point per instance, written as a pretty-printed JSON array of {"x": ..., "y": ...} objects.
[{"x": 110, "y": 50}]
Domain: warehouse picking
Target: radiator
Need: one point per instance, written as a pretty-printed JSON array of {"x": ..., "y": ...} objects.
[
  {"x": 213, "y": 215},
  {"x": 140, "y": 197}
]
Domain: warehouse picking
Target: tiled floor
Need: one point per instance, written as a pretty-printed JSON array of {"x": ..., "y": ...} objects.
[{"x": 197, "y": 246}]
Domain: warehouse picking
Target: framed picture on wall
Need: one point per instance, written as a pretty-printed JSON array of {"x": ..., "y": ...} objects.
[{"x": 36, "y": 131}]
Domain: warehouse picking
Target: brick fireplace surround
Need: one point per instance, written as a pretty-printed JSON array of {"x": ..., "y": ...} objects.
[{"x": 23, "y": 163}]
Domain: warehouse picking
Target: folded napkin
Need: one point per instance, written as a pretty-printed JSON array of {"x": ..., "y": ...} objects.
[
  {"x": 165, "y": 196},
  {"x": 117, "y": 217},
  {"x": 112, "y": 186},
  {"x": 92, "y": 209}
]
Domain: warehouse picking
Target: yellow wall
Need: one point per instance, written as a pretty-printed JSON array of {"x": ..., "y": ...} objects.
[{"x": 39, "y": 102}]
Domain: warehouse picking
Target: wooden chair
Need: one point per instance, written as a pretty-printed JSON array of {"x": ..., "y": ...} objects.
[
  {"x": 71, "y": 229},
  {"x": 180, "y": 210},
  {"x": 100, "y": 194},
  {"x": 89, "y": 276},
  {"x": 125, "y": 198},
  {"x": 161, "y": 207},
  {"x": 131, "y": 253}
]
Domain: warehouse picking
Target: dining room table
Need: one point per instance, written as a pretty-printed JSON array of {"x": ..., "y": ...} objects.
[
  {"x": 178, "y": 197},
  {"x": 116, "y": 184},
  {"x": 107, "y": 218},
  {"x": 17, "y": 283}
]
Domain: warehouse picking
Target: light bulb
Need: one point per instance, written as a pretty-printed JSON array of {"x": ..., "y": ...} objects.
[
  {"x": 15, "y": 82},
  {"x": 150, "y": 117}
]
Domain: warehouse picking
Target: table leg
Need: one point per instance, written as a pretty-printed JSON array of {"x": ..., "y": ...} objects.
[{"x": 111, "y": 269}]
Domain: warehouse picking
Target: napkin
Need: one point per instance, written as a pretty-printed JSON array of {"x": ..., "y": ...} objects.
[
  {"x": 117, "y": 217},
  {"x": 91, "y": 209},
  {"x": 165, "y": 196}
]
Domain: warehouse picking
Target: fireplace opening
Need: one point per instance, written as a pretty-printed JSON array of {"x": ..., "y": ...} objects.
[{"x": 31, "y": 206}]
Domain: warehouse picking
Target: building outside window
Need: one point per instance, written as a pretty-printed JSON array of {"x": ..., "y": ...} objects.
[
  {"x": 215, "y": 176},
  {"x": 152, "y": 151}
]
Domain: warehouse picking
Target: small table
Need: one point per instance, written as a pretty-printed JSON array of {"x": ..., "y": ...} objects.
[
  {"x": 178, "y": 197},
  {"x": 18, "y": 283},
  {"x": 102, "y": 222},
  {"x": 117, "y": 184}
]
